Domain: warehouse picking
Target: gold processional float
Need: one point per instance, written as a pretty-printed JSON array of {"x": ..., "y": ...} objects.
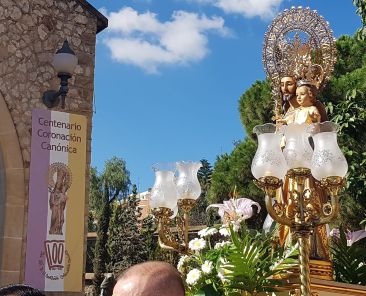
[{"x": 298, "y": 163}]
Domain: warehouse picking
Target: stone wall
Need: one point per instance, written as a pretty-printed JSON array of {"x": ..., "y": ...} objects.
[{"x": 30, "y": 33}]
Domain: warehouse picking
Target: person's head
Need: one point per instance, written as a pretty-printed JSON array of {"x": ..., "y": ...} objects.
[
  {"x": 288, "y": 85},
  {"x": 150, "y": 279},
  {"x": 305, "y": 96},
  {"x": 19, "y": 290},
  {"x": 288, "y": 90}
]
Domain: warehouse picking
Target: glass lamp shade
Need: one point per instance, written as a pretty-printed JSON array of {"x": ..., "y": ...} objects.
[
  {"x": 188, "y": 185},
  {"x": 65, "y": 60},
  {"x": 328, "y": 159},
  {"x": 268, "y": 160},
  {"x": 297, "y": 152},
  {"x": 175, "y": 212},
  {"x": 164, "y": 191}
]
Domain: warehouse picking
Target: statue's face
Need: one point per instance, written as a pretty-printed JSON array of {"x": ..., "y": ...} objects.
[
  {"x": 304, "y": 96},
  {"x": 288, "y": 85}
]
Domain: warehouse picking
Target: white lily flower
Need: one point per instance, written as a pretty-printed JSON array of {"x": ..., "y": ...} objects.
[{"x": 236, "y": 209}]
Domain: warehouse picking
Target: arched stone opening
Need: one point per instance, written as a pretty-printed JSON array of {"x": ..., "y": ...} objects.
[{"x": 13, "y": 199}]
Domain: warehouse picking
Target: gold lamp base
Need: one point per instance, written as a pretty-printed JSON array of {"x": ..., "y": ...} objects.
[{"x": 319, "y": 269}]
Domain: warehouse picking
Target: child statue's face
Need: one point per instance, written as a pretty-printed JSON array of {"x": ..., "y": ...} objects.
[{"x": 304, "y": 96}]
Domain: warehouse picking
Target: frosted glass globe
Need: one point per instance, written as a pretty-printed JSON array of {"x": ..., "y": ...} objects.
[
  {"x": 164, "y": 191},
  {"x": 328, "y": 159},
  {"x": 188, "y": 185},
  {"x": 268, "y": 160},
  {"x": 297, "y": 152}
]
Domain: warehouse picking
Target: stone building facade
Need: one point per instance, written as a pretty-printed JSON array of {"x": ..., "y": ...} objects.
[{"x": 30, "y": 33}]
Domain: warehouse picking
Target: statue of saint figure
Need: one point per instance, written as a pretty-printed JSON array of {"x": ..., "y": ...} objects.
[
  {"x": 57, "y": 202},
  {"x": 299, "y": 55},
  {"x": 301, "y": 106},
  {"x": 288, "y": 91},
  {"x": 299, "y": 102}
]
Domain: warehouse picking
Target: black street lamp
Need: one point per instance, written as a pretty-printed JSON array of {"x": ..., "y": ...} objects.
[{"x": 64, "y": 62}]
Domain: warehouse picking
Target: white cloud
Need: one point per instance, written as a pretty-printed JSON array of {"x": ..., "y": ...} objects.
[
  {"x": 142, "y": 40},
  {"x": 265, "y": 9}
]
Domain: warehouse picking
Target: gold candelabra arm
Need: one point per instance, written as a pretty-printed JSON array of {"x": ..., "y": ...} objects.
[
  {"x": 186, "y": 205},
  {"x": 276, "y": 211},
  {"x": 166, "y": 239},
  {"x": 174, "y": 241},
  {"x": 333, "y": 186},
  {"x": 270, "y": 185}
]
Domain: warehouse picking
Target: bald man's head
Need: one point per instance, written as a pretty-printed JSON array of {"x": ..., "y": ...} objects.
[{"x": 149, "y": 279}]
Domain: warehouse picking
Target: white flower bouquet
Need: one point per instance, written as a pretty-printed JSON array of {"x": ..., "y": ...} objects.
[{"x": 230, "y": 259}]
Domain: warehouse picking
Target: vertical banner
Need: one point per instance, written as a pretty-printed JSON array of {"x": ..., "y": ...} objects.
[{"x": 55, "y": 232}]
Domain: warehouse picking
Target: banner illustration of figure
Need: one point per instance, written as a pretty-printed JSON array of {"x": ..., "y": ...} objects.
[{"x": 58, "y": 184}]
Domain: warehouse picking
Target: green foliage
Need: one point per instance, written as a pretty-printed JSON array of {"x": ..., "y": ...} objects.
[
  {"x": 351, "y": 55},
  {"x": 95, "y": 191},
  {"x": 101, "y": 257},
  {"x": 346, "y": 105},
  {"x": 148, "y": 227},
  {"x": 104, "y": 188},
  {"x": 242, "y": 262},
  {"x": 363, "y": 222},
  {"x": 252, "y": 252},
  {"x": 361, "y": 11},
  {"x": 350, "y": 114},
  {"x": 117, "y": 177},
  {"x": 255, "y": 106},
  {"x": 165, "y": 255},
  {"x": 198, "y": 214},
  {"x": 220, "y": 186},
  {"x": 349, "y": 262},
  {"x": 204, "y": 175},
  {"x": 126, "y": 244}
]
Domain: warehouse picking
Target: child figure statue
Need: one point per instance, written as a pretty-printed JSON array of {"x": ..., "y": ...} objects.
[
  {"x": 307, "y": 112},
  {"x": 308, "y": 109}
]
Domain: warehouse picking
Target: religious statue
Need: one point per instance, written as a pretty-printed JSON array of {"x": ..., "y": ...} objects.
[
  {"x": 288, "y": 91},
  {"x": 305, "y": 111},
  {"x": 58, "y": 197},
  {"x": 299, "y": 57}
]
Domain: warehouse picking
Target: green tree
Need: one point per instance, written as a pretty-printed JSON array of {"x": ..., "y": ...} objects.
[
  {"x": 95, "y": 198},
  {"x": 346, "y": 105},
  {"x": 220, "y": 185},
  {"x": 148, "y": 228},
  {"x": 198, "y": 214},
  {"x": 255, "y": 106},
  {"x": 101, "y": 258},
  {"x": 112, "y": 184},
  {"x": 126, "y": 244},
  {"x": 361, "y": 11},
  {"x": 117, "y": 178}
]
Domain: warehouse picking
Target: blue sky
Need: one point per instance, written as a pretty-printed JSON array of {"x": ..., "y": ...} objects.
[{"x": 169, "y": 74}]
